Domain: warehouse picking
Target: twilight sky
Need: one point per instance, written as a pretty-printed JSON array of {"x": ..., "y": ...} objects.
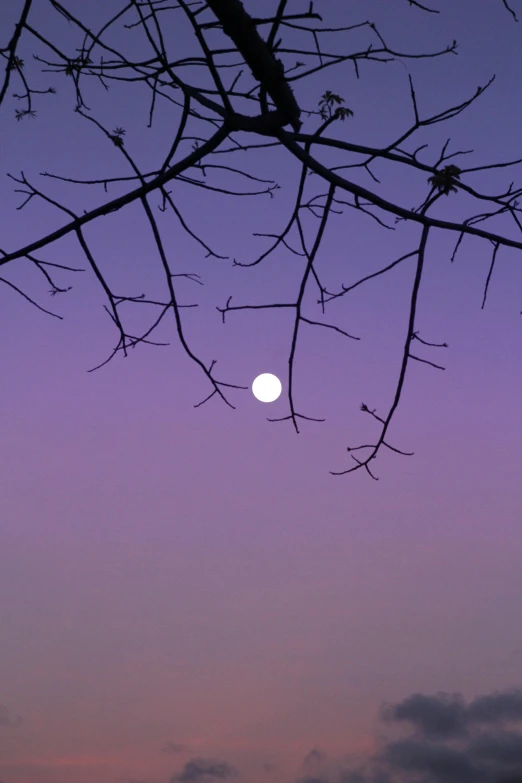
[{"x": 186, "y": 594}]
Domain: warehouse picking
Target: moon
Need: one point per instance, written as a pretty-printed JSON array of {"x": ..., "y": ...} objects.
[{"x": 266, "y": 387}]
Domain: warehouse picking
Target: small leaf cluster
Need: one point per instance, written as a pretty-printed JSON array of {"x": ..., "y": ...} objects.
[
  {"x": 17, "y": 63},
  {"x": 117, "y": 136},
  {"x": 444, "y": 179},
  {"x": 326, "y": 105}
]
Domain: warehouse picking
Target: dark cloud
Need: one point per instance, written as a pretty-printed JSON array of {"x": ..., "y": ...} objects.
[
  {"x": 449, "y": 741},
  {"x": 434, "y": 716},
  {"x": 268, "y": 767},
  {"x": 435, "y": 760},
  {"x": 496, "y": 708},
  {"x": 500, "y": 748},
  {"x": 200, "y": 769},
  {"x": 173, "y": 747},
  {"x": 446, "y": 715}
]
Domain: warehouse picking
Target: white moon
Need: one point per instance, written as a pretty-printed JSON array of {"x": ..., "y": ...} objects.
[{"x": 266, "y": 387}]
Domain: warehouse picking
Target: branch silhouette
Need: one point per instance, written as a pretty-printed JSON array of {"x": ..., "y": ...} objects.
[{"x": 253, "y": 95}]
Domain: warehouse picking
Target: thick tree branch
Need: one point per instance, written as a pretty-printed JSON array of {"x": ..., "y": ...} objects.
[{"x": 266, "y": 69}]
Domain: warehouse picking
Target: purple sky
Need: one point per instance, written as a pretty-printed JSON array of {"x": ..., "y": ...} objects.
[{"x": 187, "y": 594}]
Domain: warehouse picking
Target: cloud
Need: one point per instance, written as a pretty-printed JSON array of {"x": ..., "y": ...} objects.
[
  {"x": 447, "y": 741},
  {"x": 435, "y": 761},
  {"x": 434, "y": 716},
  {"x": 498, "y": 707},
  {"x": 436, "y": 739},
  {"x": 199, "y": 769}
]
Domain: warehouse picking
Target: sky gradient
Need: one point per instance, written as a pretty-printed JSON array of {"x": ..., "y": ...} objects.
[{"x": 187, "y": 594}]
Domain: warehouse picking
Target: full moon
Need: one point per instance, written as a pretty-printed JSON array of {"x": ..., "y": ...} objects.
[{"x": 267, "y": 387}]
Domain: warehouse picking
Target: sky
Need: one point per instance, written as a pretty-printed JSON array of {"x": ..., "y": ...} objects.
[{"x": 186, "y": 593}]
